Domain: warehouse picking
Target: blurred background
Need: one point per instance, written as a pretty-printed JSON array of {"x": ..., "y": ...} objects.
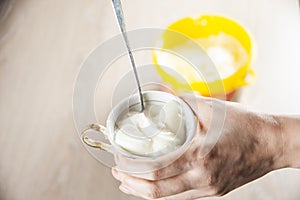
[{"x": 42, "y": 46}]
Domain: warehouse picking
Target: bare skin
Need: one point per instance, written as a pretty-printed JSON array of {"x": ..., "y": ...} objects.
[{"x": 250, "y": 145}]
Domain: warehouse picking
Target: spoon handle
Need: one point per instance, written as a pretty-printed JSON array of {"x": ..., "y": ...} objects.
[{"x": 119, "y": 13}]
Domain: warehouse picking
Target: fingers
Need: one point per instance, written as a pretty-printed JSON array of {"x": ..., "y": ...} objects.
[
  {"x": 176, "y": 188},
  {"x": 191, "y": 194},
  {"x": 179, "y": 166},
  {"x": 152, "y": 189},
  {"x": 160, "y": 174}
]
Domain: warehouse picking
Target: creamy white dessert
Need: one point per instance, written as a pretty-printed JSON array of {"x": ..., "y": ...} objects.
[
  {"x": 158, "y": 130},
  {"x": 192, "y": 63}
]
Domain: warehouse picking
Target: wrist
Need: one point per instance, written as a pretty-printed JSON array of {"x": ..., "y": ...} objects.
[
  {"x": 272, "y": 140},
  {"x": 290, "y": 131}
]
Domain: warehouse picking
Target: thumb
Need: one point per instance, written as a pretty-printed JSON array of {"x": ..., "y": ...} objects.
[
  {"x": 211, "y": 115},
  {"x": 201, "y": 106}
]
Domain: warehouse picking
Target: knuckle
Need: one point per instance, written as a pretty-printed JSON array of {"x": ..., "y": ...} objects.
[
  {"x": 155, "y": 191},
  {"x": 156, "y": 175},
  {"x": 210, "y": 181}
]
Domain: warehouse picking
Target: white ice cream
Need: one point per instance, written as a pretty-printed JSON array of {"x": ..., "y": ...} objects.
[
  {"x": 158, "y": 130},
  {"x": 225, "y": 52}
]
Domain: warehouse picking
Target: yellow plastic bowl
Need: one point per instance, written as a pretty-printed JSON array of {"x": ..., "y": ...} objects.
[{"x": 204, "y": 27}]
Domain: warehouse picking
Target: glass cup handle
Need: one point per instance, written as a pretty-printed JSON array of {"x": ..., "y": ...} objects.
[{"x": 93, "y": 143}]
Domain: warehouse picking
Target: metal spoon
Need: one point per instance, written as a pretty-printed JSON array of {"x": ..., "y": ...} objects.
[{"x": 119, "y": 13}]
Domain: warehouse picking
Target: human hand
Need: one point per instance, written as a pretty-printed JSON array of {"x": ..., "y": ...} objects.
[{"x": 245, "y": 147}]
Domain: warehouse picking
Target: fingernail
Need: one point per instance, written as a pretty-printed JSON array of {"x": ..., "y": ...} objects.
[
  {"x": 124, "y": 189},
  {"x": 115, "y": 173}
]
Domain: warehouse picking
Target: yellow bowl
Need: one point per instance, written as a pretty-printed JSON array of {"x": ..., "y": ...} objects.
[{"x": 205, "y": 28}]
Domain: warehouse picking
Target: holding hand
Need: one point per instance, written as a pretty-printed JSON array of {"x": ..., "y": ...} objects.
[{"x": 247, "y": 146}]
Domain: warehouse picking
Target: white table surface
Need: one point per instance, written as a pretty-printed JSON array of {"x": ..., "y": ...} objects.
[{"x": 40, "y": 56}]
